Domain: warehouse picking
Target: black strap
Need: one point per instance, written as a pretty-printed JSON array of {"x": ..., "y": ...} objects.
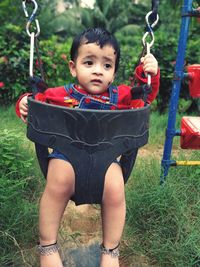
[
  {"x": 42, "y": 155},
  {"x": 37, "y": 85},
  {"x": 154, "y": 8},
  {"x": 141, "y": 92},
  {"x": 40, "y": 63}
]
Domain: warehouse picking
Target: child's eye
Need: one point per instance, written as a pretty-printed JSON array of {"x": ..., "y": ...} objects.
[
  {"x": 88, "y": 63},
  {"x": 107, "y": 66}
]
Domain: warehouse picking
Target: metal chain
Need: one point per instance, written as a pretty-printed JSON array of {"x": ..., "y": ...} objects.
[
  {"x": 150, "y": 29},
  {"x": 148, "y": 45},
  {"x": 33, "y": 35},
  {"x": 32, "y": 18}
]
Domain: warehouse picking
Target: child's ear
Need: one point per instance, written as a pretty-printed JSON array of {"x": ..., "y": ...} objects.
[{"x": 72, "y": 68}]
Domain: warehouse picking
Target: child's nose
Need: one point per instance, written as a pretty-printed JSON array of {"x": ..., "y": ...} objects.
[{"x": 98, "y": 69}]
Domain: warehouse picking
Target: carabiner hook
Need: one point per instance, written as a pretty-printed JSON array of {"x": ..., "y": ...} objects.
[
  {"x": 148, "y": 45},
  {"x": 32, "y": 17},
  {"x": 150, "y": 31},
  {"x": 144, "y": 39},
  {"x": 147, "y": 20},
  {"x": 37, "y": 27}
]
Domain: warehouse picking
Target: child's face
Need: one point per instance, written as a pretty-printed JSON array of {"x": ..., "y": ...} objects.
[{"x": 94, "y": 67}]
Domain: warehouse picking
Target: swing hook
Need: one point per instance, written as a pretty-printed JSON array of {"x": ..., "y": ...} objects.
[
  {"x": 150, "y": 29},
  {"x": 148, "y": 45},
  {"x": 32, "y": 17}
]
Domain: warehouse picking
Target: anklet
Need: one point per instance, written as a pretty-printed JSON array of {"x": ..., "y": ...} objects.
[
  {"x": 114, "y": 252},
  {"x": 47, "y": 250}
]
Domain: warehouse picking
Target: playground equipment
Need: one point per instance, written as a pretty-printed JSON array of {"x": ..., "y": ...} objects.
[{"x": 190, "y": 126}]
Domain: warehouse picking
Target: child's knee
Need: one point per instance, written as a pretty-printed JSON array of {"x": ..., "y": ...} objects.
[
  {"x": 61, "y": 182},
  {"x": 60, "y": 189},
  {"x": 63, "y": 186},
  {"x": 114, "y": 192}
]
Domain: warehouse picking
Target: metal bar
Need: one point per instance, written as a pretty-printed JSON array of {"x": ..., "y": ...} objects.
[
  {"x": 148, "y": 75},
  {"x": 192, "y": 13},
  {"x": 32, "y": 42},
  {"x": 171, "y": 131},
  {"x": 185, "y": 163}
]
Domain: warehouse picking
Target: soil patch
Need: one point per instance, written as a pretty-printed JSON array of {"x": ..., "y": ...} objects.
[{"x": 80, "y": 238}]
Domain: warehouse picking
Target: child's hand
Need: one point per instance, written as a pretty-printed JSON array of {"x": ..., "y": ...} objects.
[
  {"x": 150, "y": 64},
  {"x": 23, "y": 108}
]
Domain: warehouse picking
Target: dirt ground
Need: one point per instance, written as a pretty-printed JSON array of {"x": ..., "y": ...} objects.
[{"x": 82, "y": 224}]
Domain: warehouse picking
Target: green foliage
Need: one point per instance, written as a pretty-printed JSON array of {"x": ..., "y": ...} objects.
[
  {"x": 10, "y": 12},
  {"x": 14, "y": 52},
  {"x": 18, "y": 195},
  {"x": 129, "y": 38},
  {"x": 10, "y": 150},
  {"x": 105, "y": 13},
  {"x": 18, "y": 218},
  {"x": 55, "y": 58},
  {"x": 164, "y": 220},
  {"x": 163, "y": 45},
  {"x": 14, "y": 63}
]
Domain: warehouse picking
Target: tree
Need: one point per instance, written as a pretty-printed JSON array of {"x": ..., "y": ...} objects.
[{"x": 10, "y": 12}]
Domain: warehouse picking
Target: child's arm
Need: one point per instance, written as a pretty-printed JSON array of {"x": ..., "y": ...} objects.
[
  {"x": 54, "y": 96},
  {"x": 149, "y": 65},
  {"x": 22, "y": 107}
]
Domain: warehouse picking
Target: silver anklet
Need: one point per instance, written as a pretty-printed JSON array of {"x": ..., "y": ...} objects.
[
  {"x": 47, "y": 250},
  {"x": 114, "y": 252}
]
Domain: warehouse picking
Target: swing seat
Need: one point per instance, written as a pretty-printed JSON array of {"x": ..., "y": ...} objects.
[{"x": 88, "y": 137}]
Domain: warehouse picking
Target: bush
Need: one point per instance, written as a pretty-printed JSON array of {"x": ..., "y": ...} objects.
[
  {"x": 14, "y": 55},
  {"x": 14, "y": 63},
  {"x": 165, "y": 50},
  {"x": 55, "y": 58}
]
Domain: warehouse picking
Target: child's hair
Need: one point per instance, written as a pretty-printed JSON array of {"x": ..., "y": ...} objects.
[{"x": 95, "y": 35}]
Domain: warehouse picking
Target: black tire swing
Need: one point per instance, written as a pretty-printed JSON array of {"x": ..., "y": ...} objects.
[{"x": 87, "y": 137}]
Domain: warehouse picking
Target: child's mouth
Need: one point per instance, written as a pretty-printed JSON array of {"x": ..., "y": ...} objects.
[{"x": 96, "y": 81}]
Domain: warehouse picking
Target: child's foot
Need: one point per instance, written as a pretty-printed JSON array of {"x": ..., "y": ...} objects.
[
  {"x": 49, "y": 256},
  {"x": 109, "y": 261},
  {"x": 109, "y": 257},
  {"x": 52, "y": 260}
]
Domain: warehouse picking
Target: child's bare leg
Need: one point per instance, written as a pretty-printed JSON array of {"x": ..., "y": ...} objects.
[
  {"x": 113, "y": 213},
  {"x": 58, "y": 190}
]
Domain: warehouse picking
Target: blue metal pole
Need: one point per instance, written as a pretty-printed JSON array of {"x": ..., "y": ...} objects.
[{"x": 178, "y": 76}]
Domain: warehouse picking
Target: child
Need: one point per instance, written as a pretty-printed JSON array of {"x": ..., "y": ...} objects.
[{"x": 94, "y": 61}]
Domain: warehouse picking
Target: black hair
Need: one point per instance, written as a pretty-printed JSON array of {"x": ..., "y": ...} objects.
[{"x": 95, "y": 35}]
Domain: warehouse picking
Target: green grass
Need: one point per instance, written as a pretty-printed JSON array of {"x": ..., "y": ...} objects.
[
  {"x": 158, "y": 125},
  {"x": 163, "y": 222},
  {"x": 19, "y": 191},
  {"x": 10, "y": 120}
]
